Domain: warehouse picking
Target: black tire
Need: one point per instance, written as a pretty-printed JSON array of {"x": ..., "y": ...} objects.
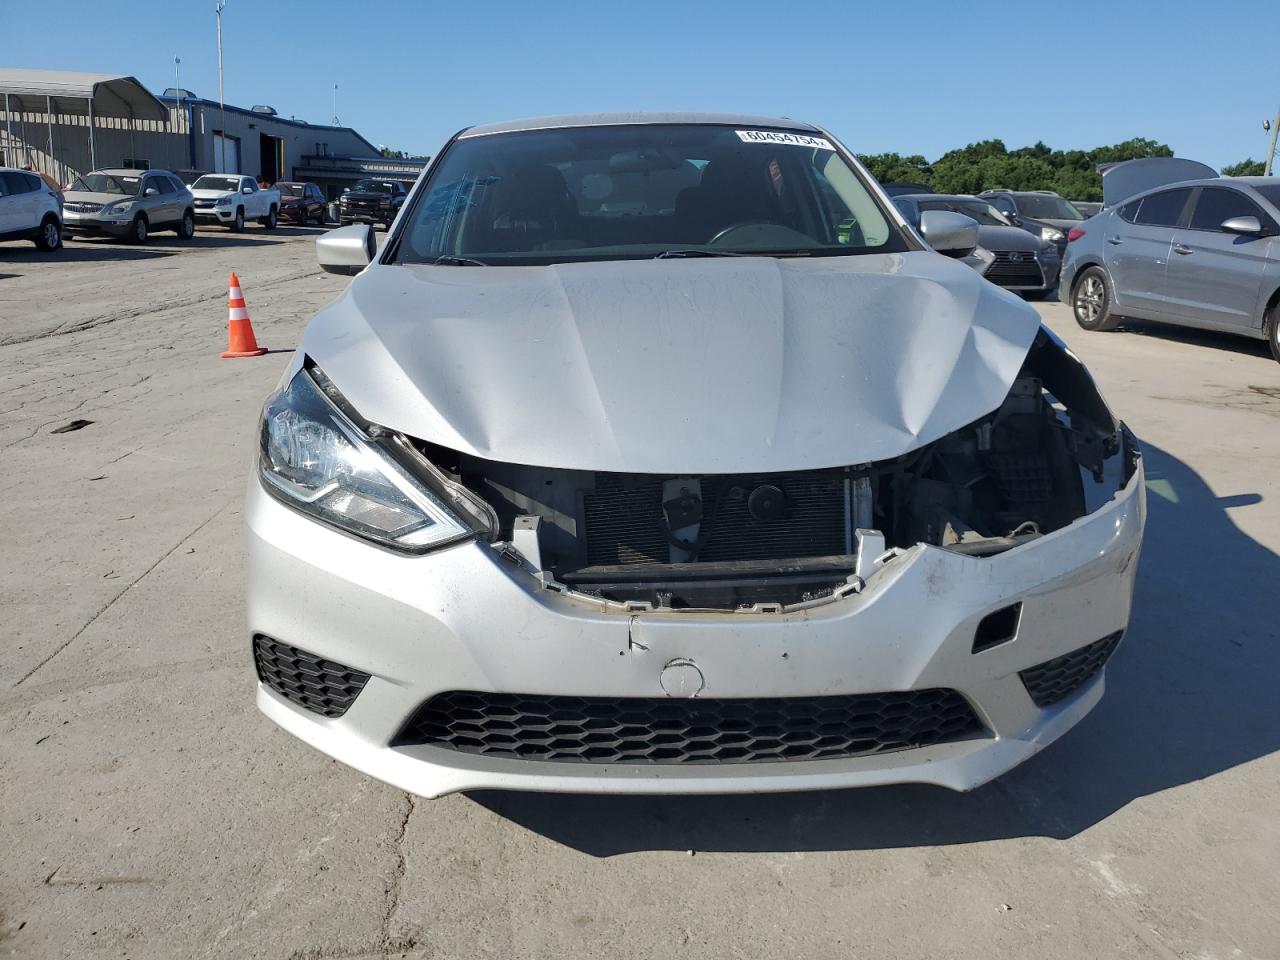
[
  {"x": 237, "y": 225},
  {"x": 1091, "y": 301},
  {"x": 138, "y": 230},
  {"x": 270, "y": 220},
  {"x": 320, "y": 218},
  {"x": 186, "y": 228},
  {"x": 1273, "y": 330},
  {"x": 50, "y": 236}
]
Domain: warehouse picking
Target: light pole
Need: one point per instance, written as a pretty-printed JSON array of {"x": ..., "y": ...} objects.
[
  {"x": 336, "y": 123},
  {"x": 1275, "y": 129},
  {"x": 222, "y": 106}
]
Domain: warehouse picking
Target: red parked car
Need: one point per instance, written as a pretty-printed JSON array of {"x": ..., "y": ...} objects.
[{"x": 301, "y": 202}]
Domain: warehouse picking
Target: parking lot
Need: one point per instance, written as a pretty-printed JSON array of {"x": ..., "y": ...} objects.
[{"x": 148, "y": 811}]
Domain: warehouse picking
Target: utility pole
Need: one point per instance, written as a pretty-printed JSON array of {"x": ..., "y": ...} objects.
[
  {"x": 1271, "y": 153},
  {"x": 336, "y": 121},
  {"x": 177, "y": 83},
  {"x": 222, "y": 106}
]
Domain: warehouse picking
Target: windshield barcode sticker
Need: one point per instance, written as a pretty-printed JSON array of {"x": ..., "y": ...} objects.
[{"x": 789, "y": 139}]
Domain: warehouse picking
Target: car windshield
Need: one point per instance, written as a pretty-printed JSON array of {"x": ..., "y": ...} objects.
[
  {"x": 214, "y": 182},
  {"x": 1041, "y": 206},
  {"x": 374, "y": 186},
  {"x": 633, "y": 192},
  {"x": 979, "y": 210},
  {"x": 108, "y": 183},
  {"x": 290, "y": 189}
]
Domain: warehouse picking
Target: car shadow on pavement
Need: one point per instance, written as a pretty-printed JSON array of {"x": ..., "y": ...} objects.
[
  {"x": 1190, "y": 694},
  {"x": 94, "y": 252},
  {"x": 1192, "y": 336}
]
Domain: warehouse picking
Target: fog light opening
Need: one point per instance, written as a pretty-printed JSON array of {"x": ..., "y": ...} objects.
[{"x": 998, "y": 627}]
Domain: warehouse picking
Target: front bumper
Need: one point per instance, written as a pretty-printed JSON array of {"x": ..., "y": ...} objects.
[
  {"x": 215, "y": 214},
  {"x": 363, "y": 215},
  {"x": 91, "y": 223},
  {"x": 463, "y": 619}
]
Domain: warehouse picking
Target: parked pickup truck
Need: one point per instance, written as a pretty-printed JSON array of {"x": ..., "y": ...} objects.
[{"x": 231, "y": 199}]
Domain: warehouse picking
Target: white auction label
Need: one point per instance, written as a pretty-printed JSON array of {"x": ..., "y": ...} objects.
[{"x": 791, "y": 139}]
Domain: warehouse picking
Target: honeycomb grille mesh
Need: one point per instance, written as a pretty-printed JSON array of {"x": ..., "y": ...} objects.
[
  {"x": 668, "y": 731},
  {"x": 321, "y": 686},
  {"x": 1057, "y": 679}
]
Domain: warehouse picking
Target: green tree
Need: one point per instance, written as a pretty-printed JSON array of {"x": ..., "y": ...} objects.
[
  {"x": 1245, "y": 168},
  {"x": 894, "y": 168}
]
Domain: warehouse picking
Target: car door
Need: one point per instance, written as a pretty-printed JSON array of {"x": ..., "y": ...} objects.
[
  {"x": 19, "y": 201},
  {"x": 315, "y": 200},
  {"x": 1138, "y": 238},
  {"x": 252, "y": 201},
  {"x": 8, "y": 207},
  {"x": 156, "y": 206},
  {"x": 1215, "y": 278}
]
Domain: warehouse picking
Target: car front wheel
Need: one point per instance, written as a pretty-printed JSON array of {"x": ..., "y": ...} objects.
[
  {"x": 138, "y": 229},
  {"x": 269, "y": 221},
  {"x": 50, "y": 235},
  {"x": 1091, "y": 301},
  {"x": 186, "y": 228},
  {"x": 237, "y": 225},
  {"x": 1273, "y": 331}
]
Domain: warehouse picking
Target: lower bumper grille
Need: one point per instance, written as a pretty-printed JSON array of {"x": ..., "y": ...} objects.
[
  {"x": 1057, "y": 679},
  {"x": 1021, "y": 272},
  {"x": 667, "y": 731},
  {"x": 321, "y": 686}
]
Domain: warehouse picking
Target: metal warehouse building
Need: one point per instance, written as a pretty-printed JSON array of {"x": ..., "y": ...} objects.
[{"x": 65, "y": 124}]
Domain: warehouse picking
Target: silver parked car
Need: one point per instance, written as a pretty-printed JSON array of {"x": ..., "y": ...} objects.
[
  {"x": 658, "y": 454},
  {"x": 1020, "y": 261},
  {"x": 1203, "y": 253},
  {"x": 129, "y": 204}
]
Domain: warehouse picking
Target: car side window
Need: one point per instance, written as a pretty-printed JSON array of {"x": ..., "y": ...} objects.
[
  {"x": 34, "y": 183},
  {"x": 1216, "y": 204},
  {"x": 1129, "y": 211},
  {"x": 1163, "y": 209},
  {"x": 176, "y": 184},
  {"x": 14, "y": 183},
  {"x": 1005, "y": 205}
]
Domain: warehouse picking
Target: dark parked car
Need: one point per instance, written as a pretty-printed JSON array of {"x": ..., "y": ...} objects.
[
  {"x": 1203, "y": 253},
  {"x": 1022, "y": 262},
  {"x": 301, "y": 202},
  {"x": 1041, "y": 212},
  {"x": 372, "y": 201},
  {"x": 901, "y": 189}
]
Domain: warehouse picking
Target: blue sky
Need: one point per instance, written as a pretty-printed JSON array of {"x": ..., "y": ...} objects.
[{"x": 912, "y": 77}]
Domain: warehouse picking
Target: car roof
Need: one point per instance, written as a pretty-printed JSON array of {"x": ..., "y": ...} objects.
[
  {"x": 127, "y": 171},
  {"x": 937, "y": 196},
  {"x": 625, "y": 119}
]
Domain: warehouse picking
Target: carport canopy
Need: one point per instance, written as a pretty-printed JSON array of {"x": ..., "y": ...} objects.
[{"x": 78, "y": 94}]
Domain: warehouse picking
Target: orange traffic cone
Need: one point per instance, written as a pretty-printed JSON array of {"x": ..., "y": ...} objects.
[{"x": 240, "y": 339}]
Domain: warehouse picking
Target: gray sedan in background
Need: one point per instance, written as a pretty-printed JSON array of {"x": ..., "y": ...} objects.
[
  {"x": 1020, "y": 261},
  {"x": 1202, "y": 253}
]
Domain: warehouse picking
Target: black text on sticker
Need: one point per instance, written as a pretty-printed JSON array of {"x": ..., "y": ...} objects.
[{"x": 792, "y": 139}]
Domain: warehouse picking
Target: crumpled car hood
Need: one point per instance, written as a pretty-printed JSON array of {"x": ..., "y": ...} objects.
[{"x": 732, "y": 365}]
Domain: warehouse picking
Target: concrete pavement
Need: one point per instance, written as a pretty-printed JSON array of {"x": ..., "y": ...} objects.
[{"x": 148, "y": 811}]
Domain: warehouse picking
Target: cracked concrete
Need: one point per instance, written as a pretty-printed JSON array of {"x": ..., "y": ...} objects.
[{"x": 148, "y": 811}]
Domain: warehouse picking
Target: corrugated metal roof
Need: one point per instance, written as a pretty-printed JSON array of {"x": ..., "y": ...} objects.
[
  {"x": 113, "y": 95},
  {"x": 621, "y": 119}
]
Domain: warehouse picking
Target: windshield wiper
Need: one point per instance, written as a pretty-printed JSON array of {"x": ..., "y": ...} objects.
[
  {"x": 451, "y": 261},
  {"x": 678, "y": 254}
]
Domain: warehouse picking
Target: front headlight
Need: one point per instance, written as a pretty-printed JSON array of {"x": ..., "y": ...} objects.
[
  {"x": 223, "y": 202},
  {"x": 115, "y": 209},
  {"x": 318, "y": 461},
  {"x": 1051, "y": 234}
]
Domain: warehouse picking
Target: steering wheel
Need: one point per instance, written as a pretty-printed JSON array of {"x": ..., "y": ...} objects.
[{"x": 740, "y": 225}]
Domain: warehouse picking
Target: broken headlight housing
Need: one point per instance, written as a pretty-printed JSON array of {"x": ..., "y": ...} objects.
[{"x": 315, "y": 458}]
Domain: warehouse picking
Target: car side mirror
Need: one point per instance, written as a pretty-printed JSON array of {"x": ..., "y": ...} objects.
[
  {"x": 347, "y": 250},
  {"x": 951, "y": 234},
  {"x": 247, "y": 190},
  {"x": 1245, "y": 226},
  {"x": 151, "y": 192}
]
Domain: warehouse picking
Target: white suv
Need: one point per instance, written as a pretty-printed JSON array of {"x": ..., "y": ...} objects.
[{"x": 29, "y": 209}]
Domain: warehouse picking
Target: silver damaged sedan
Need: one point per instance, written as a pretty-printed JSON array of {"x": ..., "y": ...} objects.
[{"x": 659, "y": 454}]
